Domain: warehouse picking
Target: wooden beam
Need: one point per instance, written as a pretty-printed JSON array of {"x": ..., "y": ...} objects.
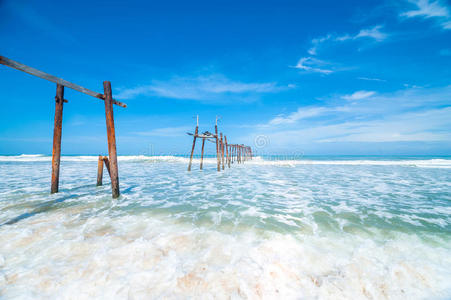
[
  {"x": 57, "y": 128},
  {"x": 35, "y": 72},
  {"x": 111, "y": 139}
]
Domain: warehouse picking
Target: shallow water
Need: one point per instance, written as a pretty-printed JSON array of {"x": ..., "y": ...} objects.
[{"x": 331, "y": 229}]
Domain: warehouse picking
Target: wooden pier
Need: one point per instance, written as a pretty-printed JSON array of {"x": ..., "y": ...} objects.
[
  {"x": 226, "y": 154},
  {"x": 110, "y": 161}
]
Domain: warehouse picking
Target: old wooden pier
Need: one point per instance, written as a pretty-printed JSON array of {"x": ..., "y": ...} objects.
[
  {"x": 226, "y": 154},
  {"x": 110, "y": 161}
]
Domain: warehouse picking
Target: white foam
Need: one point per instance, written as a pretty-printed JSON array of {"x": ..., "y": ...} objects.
[
  {"x": 423, "y": 163},
  {"x": 150, "y": 257}
]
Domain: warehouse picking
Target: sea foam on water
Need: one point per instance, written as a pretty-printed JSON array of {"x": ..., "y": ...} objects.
[{"x": 265, "y": 229}]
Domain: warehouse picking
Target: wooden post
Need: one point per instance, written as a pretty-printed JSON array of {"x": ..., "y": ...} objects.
[
  {"x": 192, "y": 149},
  {"x": 99, "y": 170},
  {"x": 227, "y": 151},
  {"x": 217, "y": 144},
  {"x": 233, "y": 156},
  {"x": 112, "y": 153},
  {"x": 239, "y": 154},
  {"x": 222, "y": 151},
  {"x": 107, "y": 165},
  {"x": 202, "y": 154},
  {"x": 57, "y": 128}
]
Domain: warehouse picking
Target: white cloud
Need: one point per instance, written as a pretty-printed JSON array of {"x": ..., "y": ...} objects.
[
  {"x": 166, "y": 132},
  {"x": 311, "y": 64},
  {"x": 430, "y": 9},
  {"x": 372, "y": 33},
  {"x": 211, "y": 87},
  {"x": 358, "y": 95},
  {"x": 371, "y": 79},
  {"x": 408, "y": 115},
  {"x": 301, "y": 113}
]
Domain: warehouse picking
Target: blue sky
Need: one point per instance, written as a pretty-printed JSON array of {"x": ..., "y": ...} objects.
[{"x": 295, "y": 77}]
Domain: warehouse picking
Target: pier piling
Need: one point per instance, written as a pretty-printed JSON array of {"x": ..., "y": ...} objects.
[
  {"x": 194, "y": 144},
  {"x": 112, "y": 153},
  {"x": 57, "y": 129},
  {"x": 202, "y": 154},
  {"x": 99, "y": 170}
]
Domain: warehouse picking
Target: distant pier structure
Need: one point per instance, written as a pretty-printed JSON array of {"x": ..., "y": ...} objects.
[
  {"x": 226, "y": 154},
  {"x": 110, "y": 161}
]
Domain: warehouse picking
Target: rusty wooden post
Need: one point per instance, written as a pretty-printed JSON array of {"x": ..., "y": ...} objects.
[
  {"x": 233, "y": 156},
  {"x": 112, "y": 153},
  {"x": 99, "y": 170},
  {"x": 217, "y": 144},
  {"x": 222, "y": 151},
  {"x": 57, "y": 128},
  {"x": 107, "y": 165},
  {"x": 239, "y": 154},
  {"x": 227, "y": 151},
  {"x": 194, "y": 144},
  {"x": 202, "y": 154}
]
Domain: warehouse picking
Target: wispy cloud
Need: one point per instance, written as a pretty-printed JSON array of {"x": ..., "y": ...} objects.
[
  {"x": 301, "y": 113},
  {"x": 358, "y": 95},
  {"x": 408, "y": 115},
  {"x": 211, "y": 87},
  {"x": 311, "y": 64},
  {"x": 426, "y": 9},
  {"x": 371, "y": 79},
  {"x": 373, "y": 33},
  {"x": 166, "y": 131}
]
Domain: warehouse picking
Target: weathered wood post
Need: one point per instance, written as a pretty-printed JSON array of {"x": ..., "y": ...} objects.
[
  {"x": 99, "y": 170},
  {"x": 227, "y": 151},
  {"x": 57, "y": 128},
  {"x": 112, "y": 153},
  {"x": 222, "y": 151},
  {"x": 202, "y": 154},
  {"x": 239, "y": 154},
  {"x": 234, "y": 153},
  {"x": 217, "y": 144},
  {"x": 107, "y": 165},
  {"x": 194, "y": 143}
]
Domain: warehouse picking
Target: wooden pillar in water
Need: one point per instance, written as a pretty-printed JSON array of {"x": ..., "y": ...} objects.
[
  {"x": 194, "y": 144},
  {"x": 222, "y": 151},
  {"x": 99, "y": 170},
  {"x": 227, "y": 151},
  {"x": 112, "y": 152},
  {"x": 239, "y": 154},
  {"x": 107, "y": 165},
  {"x": 57, "y": 128},
  {"x": 217, "y": 144},
  {"x": 202, "y": 154}
]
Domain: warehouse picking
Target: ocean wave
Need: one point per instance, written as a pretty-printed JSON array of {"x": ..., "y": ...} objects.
[{"x": 258, "y": 160}]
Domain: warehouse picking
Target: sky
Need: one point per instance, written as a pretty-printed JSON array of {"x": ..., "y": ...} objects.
[{"x": 285, "y": 77}]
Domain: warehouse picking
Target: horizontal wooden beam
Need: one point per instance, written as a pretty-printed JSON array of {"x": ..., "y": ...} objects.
[{"x": 24, "y": 68}]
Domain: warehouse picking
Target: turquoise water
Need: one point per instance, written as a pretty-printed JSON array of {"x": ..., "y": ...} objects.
[{"x": 312, "y": 227}]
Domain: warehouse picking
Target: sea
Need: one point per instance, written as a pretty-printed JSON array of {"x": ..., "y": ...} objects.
[{"x": 320, "y": 227}]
